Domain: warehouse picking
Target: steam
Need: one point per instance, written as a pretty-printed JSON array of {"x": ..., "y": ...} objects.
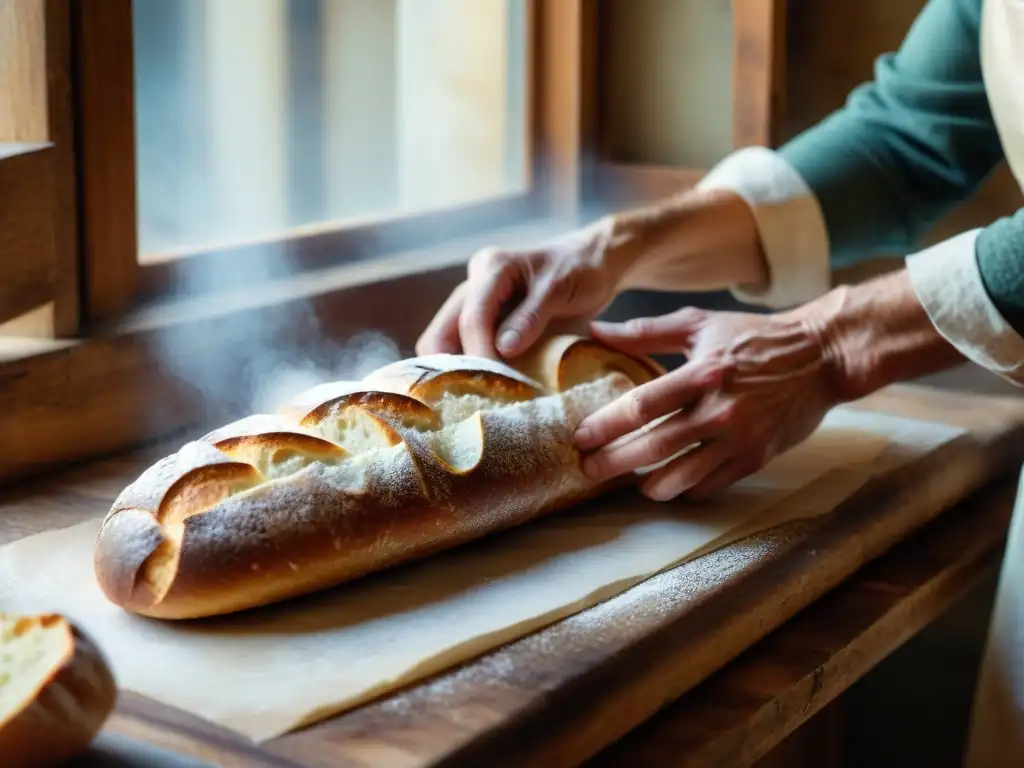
[
  {"x": 277, "y": 381},
  {"x": 258, "y": 116},
  {"x": 260, "y": 358}
]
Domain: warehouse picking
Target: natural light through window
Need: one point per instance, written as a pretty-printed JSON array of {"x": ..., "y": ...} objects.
[{"x": 259, "y": 118}]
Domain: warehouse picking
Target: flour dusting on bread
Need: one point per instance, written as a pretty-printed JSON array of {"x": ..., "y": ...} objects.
[{"x": 420, "y": 455}]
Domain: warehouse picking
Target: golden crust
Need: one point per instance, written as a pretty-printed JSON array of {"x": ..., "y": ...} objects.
[
  {"x": 127, "y": 539},
  {"x": 561, "y": 362},
  {"x": 430, "y": 377},
  {"x": 382, "y": 471},
  {"x": 65, "y": 707}
]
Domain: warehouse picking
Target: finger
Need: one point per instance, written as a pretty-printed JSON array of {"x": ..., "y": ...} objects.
[
  {"x": 526, "y": 323},
  {"x": 728, "y": 473},
  {"x": 442, "y": 334},
  {"x": 485, "y": 296},
  {"x": 645, "y": 403},
  {"x": 652, "y": 335},
  {"x": 660, "y": 444},
  {"x": 686, "y": 472}
]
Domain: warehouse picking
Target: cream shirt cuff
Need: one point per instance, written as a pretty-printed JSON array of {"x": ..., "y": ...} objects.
[
  {"x": 789, "y": 221},
  {"x": 948, "y": 284}
]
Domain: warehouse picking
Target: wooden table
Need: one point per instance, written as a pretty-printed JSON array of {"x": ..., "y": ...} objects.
[{"x": 595, "y": 686}]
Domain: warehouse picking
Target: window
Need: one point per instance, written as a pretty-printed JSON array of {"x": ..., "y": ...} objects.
[
  {"x": 259, "y": 118},
  {"x": 323, "y": 152}
]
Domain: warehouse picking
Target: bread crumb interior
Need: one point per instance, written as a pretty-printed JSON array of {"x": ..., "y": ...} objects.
[{"x": 30, "y": 650}]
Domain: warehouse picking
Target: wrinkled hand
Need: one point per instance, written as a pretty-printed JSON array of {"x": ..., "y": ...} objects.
[
  {"x": 565, "y": 280},
  {"x": 752, "y": 387}
]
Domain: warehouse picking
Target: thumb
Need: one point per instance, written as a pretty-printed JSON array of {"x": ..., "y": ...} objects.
[
  {"x": 526, "y": 324},
  {"x": 671, "y": 333}
]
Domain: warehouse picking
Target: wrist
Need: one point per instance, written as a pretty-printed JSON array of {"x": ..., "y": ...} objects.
[
  {"x": 827, "y": 320},
  {"x": 873, "y": 335},
  {"x": 622, "y": 240},
  {"x": 700, "y": 240}
]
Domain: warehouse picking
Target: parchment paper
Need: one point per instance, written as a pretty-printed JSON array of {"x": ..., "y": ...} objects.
[{"x": 269, "y": 671}]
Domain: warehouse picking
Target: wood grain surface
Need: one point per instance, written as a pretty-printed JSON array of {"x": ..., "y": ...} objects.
[
  {"x": 560, "y": 696},
  {"x": 758, "y": 72},
  {"x": 745, "y": 710},
  {"x": 102, "y": 32},
  {"x": 27, "y": 245},
  {"x": 35, "y": 107}
]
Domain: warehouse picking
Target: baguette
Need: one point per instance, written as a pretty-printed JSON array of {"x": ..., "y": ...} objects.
[
  {"x": 56, "y": 691},
  {"x": 349, "y": 478}
]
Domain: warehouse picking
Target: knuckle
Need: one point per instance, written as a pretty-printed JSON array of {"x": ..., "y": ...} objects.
[
  {"x": 661, "y": 444},
  {"x": 732, "y": 414},
  {"x": 638, "y": 407},
  {"x": 640, "y": 326},
  {"x": 715, "y": 372},
  {"x": 555, "y": 286},
  {"x": 723, "y": 419},
  {"x": 687, "y": 314},
  {"x": 488, "y": 259},
  {"x": 528, "y": 317}
]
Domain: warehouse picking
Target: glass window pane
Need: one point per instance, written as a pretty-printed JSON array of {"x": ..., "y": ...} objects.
[{"x": 258, "y": 117}]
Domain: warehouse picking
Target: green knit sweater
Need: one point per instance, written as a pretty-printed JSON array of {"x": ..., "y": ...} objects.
[{"x": 910, "y": 145}]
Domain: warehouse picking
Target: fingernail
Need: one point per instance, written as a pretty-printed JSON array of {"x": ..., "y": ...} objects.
[{"x": 508, "y": 340}]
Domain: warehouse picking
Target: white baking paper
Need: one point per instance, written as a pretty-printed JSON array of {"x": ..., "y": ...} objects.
[{"x": 269, "y": 671}]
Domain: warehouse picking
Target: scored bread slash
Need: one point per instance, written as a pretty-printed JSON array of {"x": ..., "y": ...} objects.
[
  {"x": 56, "y": 691},
  {"x": 349, "y": 478}
]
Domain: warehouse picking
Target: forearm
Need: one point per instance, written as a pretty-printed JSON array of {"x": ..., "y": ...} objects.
[
  {"x": 876, "y": 334},
  {"x": 700, "y": 240}
]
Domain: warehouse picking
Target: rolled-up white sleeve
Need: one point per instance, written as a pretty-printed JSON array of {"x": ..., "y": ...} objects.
[
  {"x": 789, "y": 221},
  {"x": 948, "y": 284}
]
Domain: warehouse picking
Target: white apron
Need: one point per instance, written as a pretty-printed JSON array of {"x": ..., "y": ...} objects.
[{"x": 996, "y": 737}]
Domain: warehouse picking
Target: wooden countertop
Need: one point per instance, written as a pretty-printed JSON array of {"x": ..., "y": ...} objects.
[{"x": 565, "y": 694}]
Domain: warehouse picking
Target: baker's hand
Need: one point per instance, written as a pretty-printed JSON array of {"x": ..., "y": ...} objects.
[
  {"x": 752, "y": 387},
  {"x": 511, "y": 296}
]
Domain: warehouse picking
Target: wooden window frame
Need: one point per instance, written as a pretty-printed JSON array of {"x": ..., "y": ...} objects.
[
  {"x": 117, "y": 281},
  {"x": 758, "y": 60},
  {"x": 38, "y": 217},
  {"x": 103, "y": 386}
]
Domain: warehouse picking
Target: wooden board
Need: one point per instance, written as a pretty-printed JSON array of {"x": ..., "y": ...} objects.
[
  {"x": 561, "y": 695},
  {"x": 742, "y": 712}
]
